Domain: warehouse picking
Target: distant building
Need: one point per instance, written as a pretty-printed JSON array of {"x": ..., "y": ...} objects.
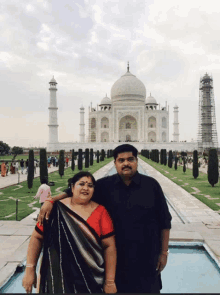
[{"x": 127, "y": 117}]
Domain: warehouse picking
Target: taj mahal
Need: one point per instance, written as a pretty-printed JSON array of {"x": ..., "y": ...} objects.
[{"x": 128, "y": 116}]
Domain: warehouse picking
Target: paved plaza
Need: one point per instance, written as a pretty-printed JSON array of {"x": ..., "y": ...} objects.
[{"x": 192, "y": 221}]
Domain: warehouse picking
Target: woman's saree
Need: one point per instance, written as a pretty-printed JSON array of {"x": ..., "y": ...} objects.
[{"x": 72, "y": 254}]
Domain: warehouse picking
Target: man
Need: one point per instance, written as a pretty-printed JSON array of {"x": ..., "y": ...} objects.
[
  {"x": 142, "y": 222},
  {"x": 16, "y": 167},
  {"x": 22, "y": 166},
  {"x": 67, "y": 161}
]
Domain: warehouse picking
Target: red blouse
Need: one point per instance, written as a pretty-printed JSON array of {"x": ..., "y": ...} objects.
[{"x": 99, "y": 220}]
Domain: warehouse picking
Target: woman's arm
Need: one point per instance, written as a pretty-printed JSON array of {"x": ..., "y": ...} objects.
[
  {"x": 110, "y": 256},
  {"x": 34, "y": 249},
  {"x": 48, "y": 206}
]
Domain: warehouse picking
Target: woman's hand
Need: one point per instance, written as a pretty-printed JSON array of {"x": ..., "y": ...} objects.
[
  {"x": 110, "y": 288},
  {"x": 29, "y": 280}
]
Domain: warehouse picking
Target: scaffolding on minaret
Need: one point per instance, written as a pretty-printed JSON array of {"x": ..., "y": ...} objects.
[{"x": 207, "y": 132}]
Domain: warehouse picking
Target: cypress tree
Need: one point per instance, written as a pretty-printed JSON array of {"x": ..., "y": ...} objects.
[
  {"x": 97, "y": 156},
  {"x": 91, "y": 157},
  {"x": 73, "y": 161},
  {"x": 161, "y": 156},
  {"x": 195, "y": 164},
  {"x": 61, "y": 163},
  {"x": 102, "y": 155},
  {"x": 80, "y": 160},
  {"x": 184, "y": 164},
  {"x": 157, "y": 156},
  {"x": 176, "y": 161},
  {"x": 43, "y": 165},
  {"x": 170, "y": 159},
  {"x": 86, "y": 158},
  {"x": 165, "y": 157},
  {"x": 30, "y": 169},
  {"x": 213, "y": 172}
]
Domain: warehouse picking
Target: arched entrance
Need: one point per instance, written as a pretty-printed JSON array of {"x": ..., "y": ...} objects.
[{"x": 128, "y": 129}]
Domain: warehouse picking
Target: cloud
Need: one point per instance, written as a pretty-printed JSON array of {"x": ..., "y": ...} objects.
[{"x": 86, "y": 46}]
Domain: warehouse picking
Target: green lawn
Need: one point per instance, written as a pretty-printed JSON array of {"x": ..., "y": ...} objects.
[
  {"x": 25, "y": 196},
  {"x": 187, "y": 182},
  {"x": 18, "y": 157}
]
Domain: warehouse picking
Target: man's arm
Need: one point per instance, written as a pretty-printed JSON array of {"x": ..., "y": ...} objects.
[
  {"x": 162, "y": 260},
  {"x": 48, "y": 206}
]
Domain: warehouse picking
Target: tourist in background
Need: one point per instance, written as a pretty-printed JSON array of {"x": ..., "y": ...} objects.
[
  {"x": 27, "y": 163},
  {"x": 67, "y": 161},
  {"x": 22, "y": 166},
  {"x": 3, "y": 169},
  {"x": 43, "y": 191},
  {"x": 7, "y": 168},
  {"x": 49, "y": 161},
  {"x": 16, "y": 167},
  {"x": 35, "y": 166}
]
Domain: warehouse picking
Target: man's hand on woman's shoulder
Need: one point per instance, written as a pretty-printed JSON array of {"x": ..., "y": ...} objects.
[{"x": 45, "y": 212}]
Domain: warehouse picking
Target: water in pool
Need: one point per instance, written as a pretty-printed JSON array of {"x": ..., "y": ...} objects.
[{"x": 189, "y": 270}]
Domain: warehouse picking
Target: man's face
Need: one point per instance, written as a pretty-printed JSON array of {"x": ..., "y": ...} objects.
[{"x": 126, "y": 164}]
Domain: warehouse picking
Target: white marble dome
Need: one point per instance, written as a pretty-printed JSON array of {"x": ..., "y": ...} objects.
[
  {"x": 53, "y": 80},
  {"x": 151, "y": 100},
  {"x": 106, "y": 100},
  {"x": 128, "y": 85}
]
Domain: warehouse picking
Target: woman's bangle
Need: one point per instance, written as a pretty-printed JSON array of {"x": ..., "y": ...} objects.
[
  {"x": 51, "y": 201},
  {"x": 30, "y": 265}
]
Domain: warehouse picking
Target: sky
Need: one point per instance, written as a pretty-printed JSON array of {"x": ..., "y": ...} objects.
[{"x": 86, "y": 44}]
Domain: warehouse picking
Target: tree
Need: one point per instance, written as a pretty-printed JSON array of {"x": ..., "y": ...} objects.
[
  {"x": 213, "y": 172},
  {"x": 16, "y": 150},
  {"x": 170, "y": 159},
  {"x": 43, "y": 165},
  {"x": 73, "y": 161},
  {"x": 97, "y": 156},
  {"x": 102, "y": 158},
  {"x": 61, "y": 163},
  {"x": 184, "y": 164},
  {"x": 176, "y": 161},
  {"x": 165, "y": 157},
  {"x": 86, "y": 158},
  {"x": 30, "y": 176},
  {"x": 80, "y": 162},
  {"x": 161, "y": 156},
  {"x": 195, "y": 164},
  {"x": 91, "y": 157},
  {"x": 4, "y": 148}
]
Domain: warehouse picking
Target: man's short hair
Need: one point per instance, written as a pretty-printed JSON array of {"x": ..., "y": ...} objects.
[
  {"x": 44, "y": 181},
  {"x": 123, "y": 149}
]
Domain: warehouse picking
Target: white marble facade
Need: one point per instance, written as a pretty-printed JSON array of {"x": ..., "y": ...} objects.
[{"x": 128, "y": 116}]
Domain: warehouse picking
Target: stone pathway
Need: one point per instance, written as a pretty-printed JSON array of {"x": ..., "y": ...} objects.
[{"x": 200, "y": 223}]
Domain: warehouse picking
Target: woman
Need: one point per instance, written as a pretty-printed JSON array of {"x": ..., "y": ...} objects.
[
  {"x": 79, "y": 252},
  {"x": 3, "y": 169}
]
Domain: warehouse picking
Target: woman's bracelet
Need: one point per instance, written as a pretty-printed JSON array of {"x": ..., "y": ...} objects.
[
  {"x": 30, "y": 265},
  {"x": 109, "y": 282}
]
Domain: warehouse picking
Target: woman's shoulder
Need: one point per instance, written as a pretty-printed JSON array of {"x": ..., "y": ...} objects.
[{"x": 98, "y": 207}]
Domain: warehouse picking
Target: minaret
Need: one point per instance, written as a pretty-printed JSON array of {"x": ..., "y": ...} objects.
[
  {"x": 82, "y": 125},
  {"x": 53, "y": 126},
  {"x": 176, "y": 124}
]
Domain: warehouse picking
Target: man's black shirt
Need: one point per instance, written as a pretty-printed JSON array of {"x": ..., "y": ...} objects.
[{"x": 139, "y": 213}]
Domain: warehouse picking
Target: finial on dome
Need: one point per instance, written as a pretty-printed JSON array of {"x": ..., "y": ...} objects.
[{"x": 128, "y": 67}]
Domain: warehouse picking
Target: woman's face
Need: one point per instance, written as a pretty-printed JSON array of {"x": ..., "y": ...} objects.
[{"x": 83, "y": 190}]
